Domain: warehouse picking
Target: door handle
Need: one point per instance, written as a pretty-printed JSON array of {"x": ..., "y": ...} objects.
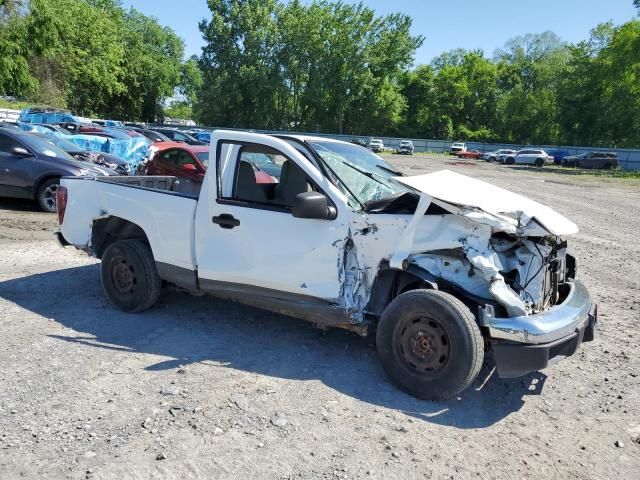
[{"x": 226, "y": 220}]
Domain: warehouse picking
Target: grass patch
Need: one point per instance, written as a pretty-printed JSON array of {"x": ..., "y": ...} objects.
[
  {"x": 13, "y": 105},
  {"x": 595, "y": 173}
]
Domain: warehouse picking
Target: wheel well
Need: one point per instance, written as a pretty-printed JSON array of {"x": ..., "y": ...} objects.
[
  {"x": 37, "y": 186},
  {"x": 105, "y": 231},
  {"x": 390, "y": 283}
]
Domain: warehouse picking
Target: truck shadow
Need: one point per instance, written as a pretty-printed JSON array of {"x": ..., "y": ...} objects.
[{"x": 205, "y": 330}]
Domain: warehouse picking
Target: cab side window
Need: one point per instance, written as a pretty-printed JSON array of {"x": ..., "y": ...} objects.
[{"x": 265, "y": 176}]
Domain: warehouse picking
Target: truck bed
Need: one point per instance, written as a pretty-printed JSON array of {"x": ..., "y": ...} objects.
[
  {"x": 181, "y": 186},
  {"x": 164, "y": 207}
]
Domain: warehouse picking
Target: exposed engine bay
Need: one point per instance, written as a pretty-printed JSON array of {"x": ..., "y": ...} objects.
[
  {"x": 524, "y": 276},
  {"x": 491, "y": 243}
]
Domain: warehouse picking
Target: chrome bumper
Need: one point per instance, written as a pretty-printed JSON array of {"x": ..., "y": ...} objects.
[{"x": 558, "y": 322}]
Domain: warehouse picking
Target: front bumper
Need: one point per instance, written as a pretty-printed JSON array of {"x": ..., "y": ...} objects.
[{"x": 526, "y": 344}]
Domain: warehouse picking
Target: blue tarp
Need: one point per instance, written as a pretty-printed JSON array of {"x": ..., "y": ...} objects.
[
  {"x": 39, "y": 116},
  {"x": 132, "y": 150}
]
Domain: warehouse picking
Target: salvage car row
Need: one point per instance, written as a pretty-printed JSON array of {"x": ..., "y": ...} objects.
[
  {"x": 539, "y": 157},
  {"x": 46, "y": 145}
]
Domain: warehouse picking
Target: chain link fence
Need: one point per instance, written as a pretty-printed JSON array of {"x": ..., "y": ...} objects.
[{"x": 629, "y": 157}]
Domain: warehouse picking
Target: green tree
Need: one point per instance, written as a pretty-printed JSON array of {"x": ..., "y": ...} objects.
[
  {"x": 151, "y": 67},
  {"x": 530, "y": 69},
  {"x": 322, "y": 66}
]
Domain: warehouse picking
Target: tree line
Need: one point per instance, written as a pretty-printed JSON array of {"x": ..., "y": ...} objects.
[
  {"x": 91, "y": 56},
  {"x": 324, "y": 66},
  {"x": 334, "y": 67}
]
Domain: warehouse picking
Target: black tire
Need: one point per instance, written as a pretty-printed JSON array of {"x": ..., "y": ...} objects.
[
  {"x": 492, "y": 159},
  {"x": 129, "y": 276},
  {"x": 46, "y": 195},
  {"x": 539, "y": 162},
  {"x": 429, "y": 344},
  {"x": 510, "y": 161}
]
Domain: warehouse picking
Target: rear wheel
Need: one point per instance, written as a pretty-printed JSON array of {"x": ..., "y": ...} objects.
[
  {"x": 129, "y": 276},
  {"x": 539, "y": 162},
  {"x": 429, "y": 344},
  {"x": 46, "y": 195}
]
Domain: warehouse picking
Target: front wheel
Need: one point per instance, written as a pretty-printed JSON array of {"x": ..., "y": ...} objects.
[
  {"x": 129, "y": 276},
  {"x": 509, "y": 161},
  {"x": 46, "y": 195},
  {"x": 429, "y": 344}
]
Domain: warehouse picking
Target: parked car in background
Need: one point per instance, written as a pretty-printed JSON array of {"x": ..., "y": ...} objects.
[
  {"x": 265, "y": 163},
  {"x": 469, "y": 154},
  {"x": 592, "y": 160},
  {"x": 9, "y": 124},
  {"x": 529, "y": 156},
  {"x": 457, "y": 148},
  {"x": 359, "y": 141},
  {"x": 151, "y": 134},
  {"x": 53, "y": 128},
  {"x": 188, "y": 161},
  {"x": 178, "y": 136},
  {"x": 72, "y": 127},
  {"x": 376, "y": 145},
  {"x": 107, "y": 160},
  {"x": 31, "y": 167},
  {"x": 203, "y": 136},
  {"x": 500, "y": 155},
  {"x": 558, "y": 154},
  {"x": 179, "y": 160},
  {"x": 405, "y": 147},
  {"x": 108, "y": 132}
]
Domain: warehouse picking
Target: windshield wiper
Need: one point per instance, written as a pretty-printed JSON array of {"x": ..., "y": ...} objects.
[
  {"x": 366, "y": 173},
  {"x": 390, "y": 170}
]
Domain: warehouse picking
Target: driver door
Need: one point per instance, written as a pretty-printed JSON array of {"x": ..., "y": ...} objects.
[
  {"x": 247, "y": 239},
  {"x": 14, "y": 169}
]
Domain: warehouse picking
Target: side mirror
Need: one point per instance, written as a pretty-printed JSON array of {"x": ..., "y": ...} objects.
[
  {"x": 189, "y": 167},
  {"x": 313, "y": 205},
  {"x": 22, "y": 152}
]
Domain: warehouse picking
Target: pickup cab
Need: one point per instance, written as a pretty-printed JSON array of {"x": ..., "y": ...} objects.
[{"x": 438, "y": 268}]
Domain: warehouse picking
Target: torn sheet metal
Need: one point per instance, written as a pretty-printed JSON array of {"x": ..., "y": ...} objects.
[
  {"x": 481, "y": 201},
  {"x": 405, "y": 243}
]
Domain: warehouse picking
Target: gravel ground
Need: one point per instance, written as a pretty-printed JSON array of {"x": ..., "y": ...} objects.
[{"x": 203, "y": 388}]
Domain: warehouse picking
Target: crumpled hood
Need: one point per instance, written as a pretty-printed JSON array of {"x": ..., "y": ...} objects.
[{"x": 485, "y": 203}]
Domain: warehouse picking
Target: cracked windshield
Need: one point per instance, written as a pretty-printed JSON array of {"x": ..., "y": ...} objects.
[{"x": 366, "y": 176}]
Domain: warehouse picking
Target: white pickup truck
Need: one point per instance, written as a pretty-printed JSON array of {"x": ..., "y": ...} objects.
[{"x": 439, "y": 268}]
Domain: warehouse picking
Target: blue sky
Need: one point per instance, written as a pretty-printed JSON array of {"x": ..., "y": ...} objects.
[{"x": 449, "y": 24}]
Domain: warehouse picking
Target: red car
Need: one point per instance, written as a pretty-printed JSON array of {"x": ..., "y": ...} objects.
[
  {"x": 469, "y": 154},
  {"x": 177, "y": 159}
]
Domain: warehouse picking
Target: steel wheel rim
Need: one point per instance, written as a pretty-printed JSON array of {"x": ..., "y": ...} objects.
[
  {"x": 123, "y": 276},
  {"x": 423, "y": 345},
  {"x": 49, "y": 196}
]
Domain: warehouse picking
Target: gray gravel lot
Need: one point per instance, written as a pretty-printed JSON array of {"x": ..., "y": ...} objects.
[{"x": 202, "y": 388}]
